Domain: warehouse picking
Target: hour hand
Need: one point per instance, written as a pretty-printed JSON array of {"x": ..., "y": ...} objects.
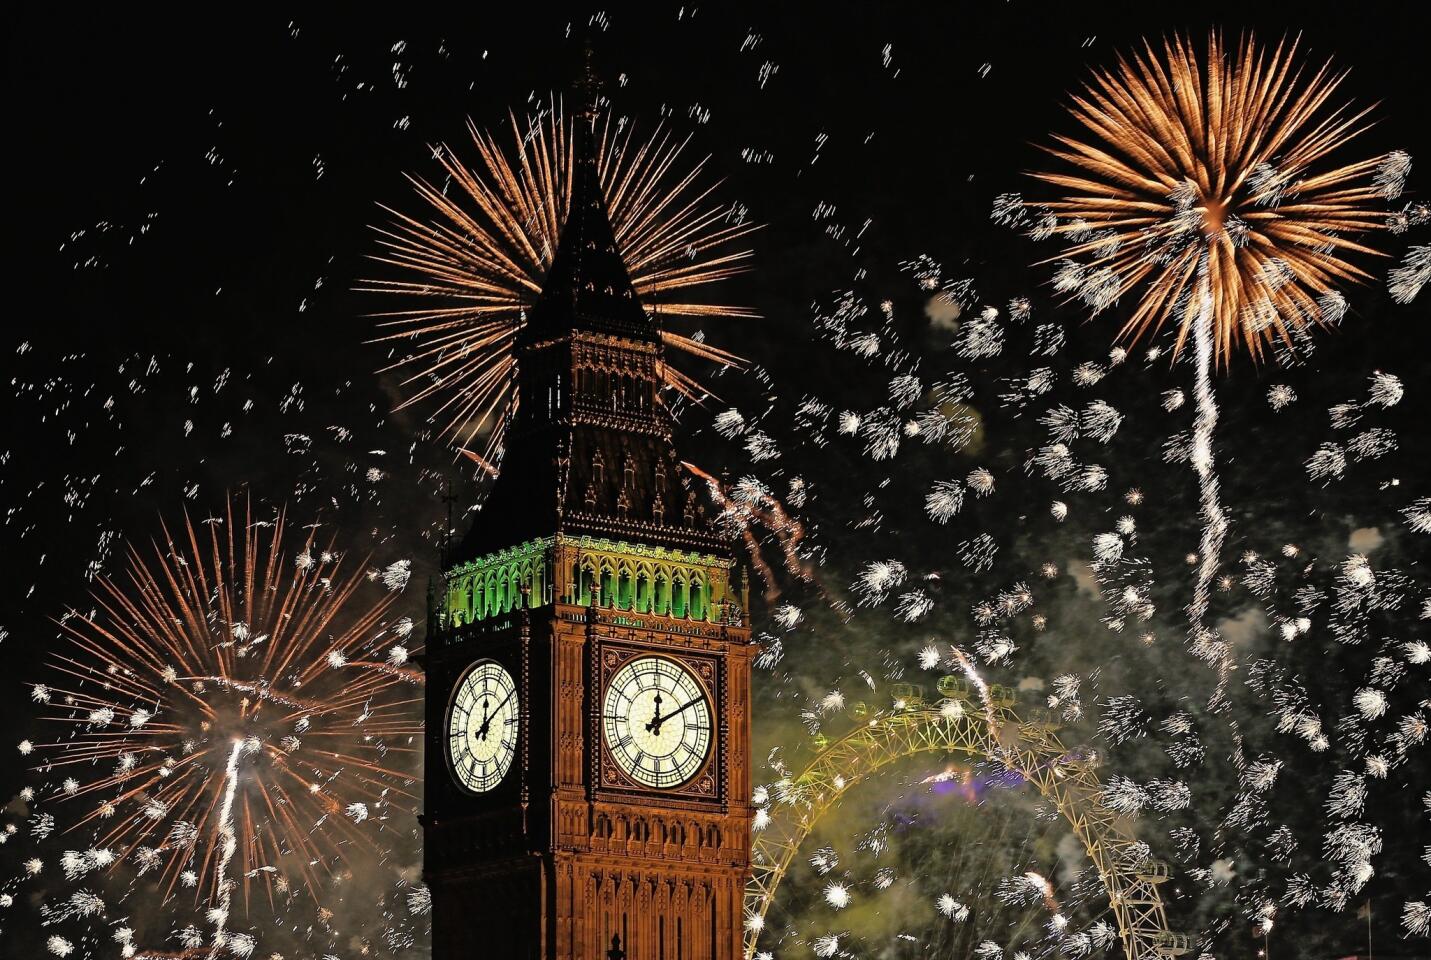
[
  {"x": 654, "y": 726},
  {"x": 486, "y": 722}
]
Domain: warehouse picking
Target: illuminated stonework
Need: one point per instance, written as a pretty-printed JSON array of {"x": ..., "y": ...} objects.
[
  {"x": 590, "y": 571},
  {"x": 511, "y": 579}
]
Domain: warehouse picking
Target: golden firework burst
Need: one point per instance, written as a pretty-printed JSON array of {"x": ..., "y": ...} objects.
[
  {"x": 233, "y": 691},
  {"x": 1214, "y": 180},
  {"x": 479, "y": 257}
]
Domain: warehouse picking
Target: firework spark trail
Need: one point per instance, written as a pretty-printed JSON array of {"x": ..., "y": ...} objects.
[
  {"x": 765, "y": 510},
  {"x": 967, "y": 664},
  {"x": 229, "y": 838},
  {"x": 1214, "y": 529},
  {"x": 1045, "y": 889}
]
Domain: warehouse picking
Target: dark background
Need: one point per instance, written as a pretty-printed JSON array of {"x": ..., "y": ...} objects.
[{"x": 165, "y": 203}]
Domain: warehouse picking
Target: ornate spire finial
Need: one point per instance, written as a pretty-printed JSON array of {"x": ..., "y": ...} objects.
[{"x": 589, "y": 86}]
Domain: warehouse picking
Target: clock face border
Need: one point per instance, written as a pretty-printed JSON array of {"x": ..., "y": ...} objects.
[
  {"x": 705, "y": 785},
  {"x": 507, "y": 776}
]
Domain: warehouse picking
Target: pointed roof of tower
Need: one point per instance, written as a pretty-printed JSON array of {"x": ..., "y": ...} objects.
[
  {"x": 587, "y": 471},
  {"x": 588, "y": 286}
]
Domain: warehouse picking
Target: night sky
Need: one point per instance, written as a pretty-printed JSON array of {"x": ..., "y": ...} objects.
[{"x": 191, "y": 204}]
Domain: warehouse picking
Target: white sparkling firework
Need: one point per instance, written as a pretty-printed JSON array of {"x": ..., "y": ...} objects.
[{"x": 1406, "y": 281}]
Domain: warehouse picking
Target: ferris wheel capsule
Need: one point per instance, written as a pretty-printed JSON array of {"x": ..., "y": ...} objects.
[
  {"x": 1168, "y": 944},
  {"x": 908, "y": 696},
  {"x": 1002, "y": 697},
  {"x": 954, "y": 687}
]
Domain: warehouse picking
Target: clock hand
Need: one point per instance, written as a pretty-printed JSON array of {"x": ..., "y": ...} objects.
[
  {"x": 486, "y": 720},
  {"x": 682, "y": 709},
  {"x": 654, "y": 726},
  {"x": 500, "y": 705},
  {"x": 483, "y": 730}
]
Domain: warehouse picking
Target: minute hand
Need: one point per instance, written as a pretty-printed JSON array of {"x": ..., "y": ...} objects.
[
  {"x": 487, "y": 720},
  {"x": 680, "y": 709},
  {"x": 504, "y": 701}
]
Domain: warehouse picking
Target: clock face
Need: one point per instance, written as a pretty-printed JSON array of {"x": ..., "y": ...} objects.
[
  {"x": 482, "y": 726},
  {"x": 657, "y": 721}
]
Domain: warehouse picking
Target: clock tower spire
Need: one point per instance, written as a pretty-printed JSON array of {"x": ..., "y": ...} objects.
[{"x": 588, "y": 754}]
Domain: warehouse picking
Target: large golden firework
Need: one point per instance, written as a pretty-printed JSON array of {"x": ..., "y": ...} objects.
[
  {"x": 481, "y": 255},
  {"x": 1214, "y": 181},
  {"x": 233, "y": 702}
]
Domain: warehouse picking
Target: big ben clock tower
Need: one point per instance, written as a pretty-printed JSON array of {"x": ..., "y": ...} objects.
[{"x": 588, "y": 691}]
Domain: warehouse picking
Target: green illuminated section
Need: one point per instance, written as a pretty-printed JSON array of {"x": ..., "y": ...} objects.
[
  {"x": 587, "y": 571},
  {"x": 500, "y": 583},
  {"x": 649, "y": 580}
]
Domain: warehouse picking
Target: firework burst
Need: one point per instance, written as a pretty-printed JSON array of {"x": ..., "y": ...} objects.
[
  {"x": 232, "y": 720},
  {"x": 1214, "y": 182},
  {"x": 1204, "y": 187},
  {"x": 480, "y": 256}
]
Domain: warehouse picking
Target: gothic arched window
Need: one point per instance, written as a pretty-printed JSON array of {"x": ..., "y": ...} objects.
[
  {"x": 680, "y": 594},
  {"x": 643, "y": 599},
  {"x": 496, "y": 593},
  {"x": 625, "y": 586},
  {"x": 585, "y": 581},
  {"x": 698, "y": 598},
  {"x": 608, "y": 585}
]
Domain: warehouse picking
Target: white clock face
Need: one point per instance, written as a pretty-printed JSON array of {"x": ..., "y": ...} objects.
[
  {"x": 482, "y": 726},
  {"x": 657, "y": 721}
]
